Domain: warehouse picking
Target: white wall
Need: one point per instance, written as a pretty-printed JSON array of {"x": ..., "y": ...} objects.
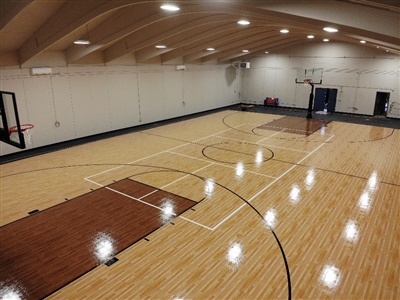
[
  {"x": 357, "y": 72},
  {"x": 94, "y": 99}
]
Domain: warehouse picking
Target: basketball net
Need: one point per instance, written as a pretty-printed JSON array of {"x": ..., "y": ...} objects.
[
  {"x": 307, "y": 82},
  {"x": 27, "y": 130}
]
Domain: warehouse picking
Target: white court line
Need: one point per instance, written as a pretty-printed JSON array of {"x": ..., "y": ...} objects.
[
  {"x": 260, "y": 141},
  {"x": 151, "y": 193},
  {"x": 154, "y": 206},
  {"x": 187, "y": 175},
  {"x": 134, "y": 198},
  {"x": 158, "y": 153},
  {"x": 169, "y": 150},
  {"x": 199, "y": 224},
  {"x": 215, "y": 163},
  {"x": 266, "y": 187},
  {"x": 155, "y": 154}
]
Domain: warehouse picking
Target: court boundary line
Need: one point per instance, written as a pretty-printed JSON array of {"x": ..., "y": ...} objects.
[
  {"x": 270, "y": 184},
  {"x": 269, "y": 145},
  {"x": 188, "y": 143},
  {"x": 217, "y": 163}
]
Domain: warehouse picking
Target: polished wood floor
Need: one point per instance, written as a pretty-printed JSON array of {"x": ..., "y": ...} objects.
[
  {"x": 63, "y": 242},
  {"x": 277, "y": 214}
]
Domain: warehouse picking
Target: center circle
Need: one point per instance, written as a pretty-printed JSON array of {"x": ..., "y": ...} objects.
[{"x": 234, "y": 152}]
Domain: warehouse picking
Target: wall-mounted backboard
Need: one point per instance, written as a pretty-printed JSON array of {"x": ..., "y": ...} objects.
[
  {"x": 315, "y": 75},
  {"x": 10, "y": 127}
]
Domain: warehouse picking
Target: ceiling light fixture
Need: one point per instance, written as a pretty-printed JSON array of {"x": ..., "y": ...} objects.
[
  {"x": 266, "y": 52},
  {"x": 170, "y": 7},
  {"x": 362, "y": 42},
  {"x": 84, "y": 40},
  {"x": 210, "y": 49},
  {"x": 81, "y": 42},
  {"x": 161, "y": 46},
  {"x": 284, "y": 31},
  {"x": 326, "y": 40},
  {"x": 244, "y": 22},
  {"x": 310, "y": 36},
  {"x": 245, "y": 51},
  {"x": 330, "y": 29}
]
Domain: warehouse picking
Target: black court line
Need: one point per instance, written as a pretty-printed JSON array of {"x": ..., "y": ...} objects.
[
  {"x": 229, "y": 150},
  {"x": 302, "y": 139},
  {"x": 187, "y": 173},
  {"x": 47, "y": 244}
]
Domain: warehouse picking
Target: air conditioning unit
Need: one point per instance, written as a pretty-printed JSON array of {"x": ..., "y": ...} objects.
[
  {"x": 180, "y": 67},
  {"x": 244, "y": 65},
  {"x": 41, "y": 71}
]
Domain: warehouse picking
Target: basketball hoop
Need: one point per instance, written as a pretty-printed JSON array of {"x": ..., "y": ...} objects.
[
  {"x": 26, "y": 129},
  {"x": 307, "y": 82}
]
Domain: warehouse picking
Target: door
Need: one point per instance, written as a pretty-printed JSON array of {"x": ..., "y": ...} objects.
[
  {"x": 381, "y": 103},
  {"x": 325, "y": 100},
  {"x": 331, "y": 99},
  {"x": 319, "y": 100}
]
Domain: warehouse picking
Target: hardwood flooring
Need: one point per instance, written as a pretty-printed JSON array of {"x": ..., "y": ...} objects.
[
  {"x": 49, "y": 249},
  {"x": 278, "y": 214}
]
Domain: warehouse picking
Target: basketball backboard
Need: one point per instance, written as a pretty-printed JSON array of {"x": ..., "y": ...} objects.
[
  {"x": 315, "y": 75},
  {"x": 9, "y": 120}
]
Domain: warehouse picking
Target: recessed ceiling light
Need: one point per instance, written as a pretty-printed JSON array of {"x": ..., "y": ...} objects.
[
  {"x": 161, "y": 46},
  {"x": 326, "y": 40},
  {"x": 210, "y": 49},
  {"x": 245, "y": 51},
  {"x": 170, "y": 7},
  {"x": 330, "y": 29},
  {"x": 266, "y": 52},
  {"x": 362, "y": 42},
  {"x": 310, "y": 36},
  {"x": 284, "y": 31},
  {"x": 82, "y": 42},
  {"x": 243, "y": 22}
]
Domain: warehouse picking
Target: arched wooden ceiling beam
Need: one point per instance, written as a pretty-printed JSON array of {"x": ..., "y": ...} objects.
[
  {"x": 120, "y": 24},
  {"x": 215, "y": 38},
  {"x": 245, "y": 43},
  {"x": 75, "y": 14},
  {"x": 155, "y": 33},
  {"x": 128, "y": 21},
  {"x": 251, "y": 44},
  {"x": 11, "y": 10},
  {"x": 260, "y": 46},
  {"x": 72, "y": 15},
  {"x": 228, "y": 42}
]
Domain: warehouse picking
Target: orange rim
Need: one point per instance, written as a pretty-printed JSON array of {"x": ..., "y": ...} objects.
[{"x": 23, "y": 128}]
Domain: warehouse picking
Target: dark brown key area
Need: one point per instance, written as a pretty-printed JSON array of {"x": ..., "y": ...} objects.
[{"x": 46, "y": 250}]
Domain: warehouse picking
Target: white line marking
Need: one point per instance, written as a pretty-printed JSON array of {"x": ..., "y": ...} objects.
[
  {"x": 134, "y": 198},
  {"x": 219, "y": 164},
  {"x": 169, "y": 151},
  {"x": 266, "y": 187},
  {"x": 199, "y": 224},
  {"x": 151, "y": 193},
  {"x": 155, "y": 154},
  {"x": 187, "y": 175},
  {"x": 260, "y": 143}
]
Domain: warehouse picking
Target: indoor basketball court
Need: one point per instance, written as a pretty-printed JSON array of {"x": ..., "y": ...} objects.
[{"x": 226, "y": 205}]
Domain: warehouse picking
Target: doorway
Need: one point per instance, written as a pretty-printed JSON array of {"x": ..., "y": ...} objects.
[
  {"x": 325, "y": 100},
  {"x": 381, "y": 103}
]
